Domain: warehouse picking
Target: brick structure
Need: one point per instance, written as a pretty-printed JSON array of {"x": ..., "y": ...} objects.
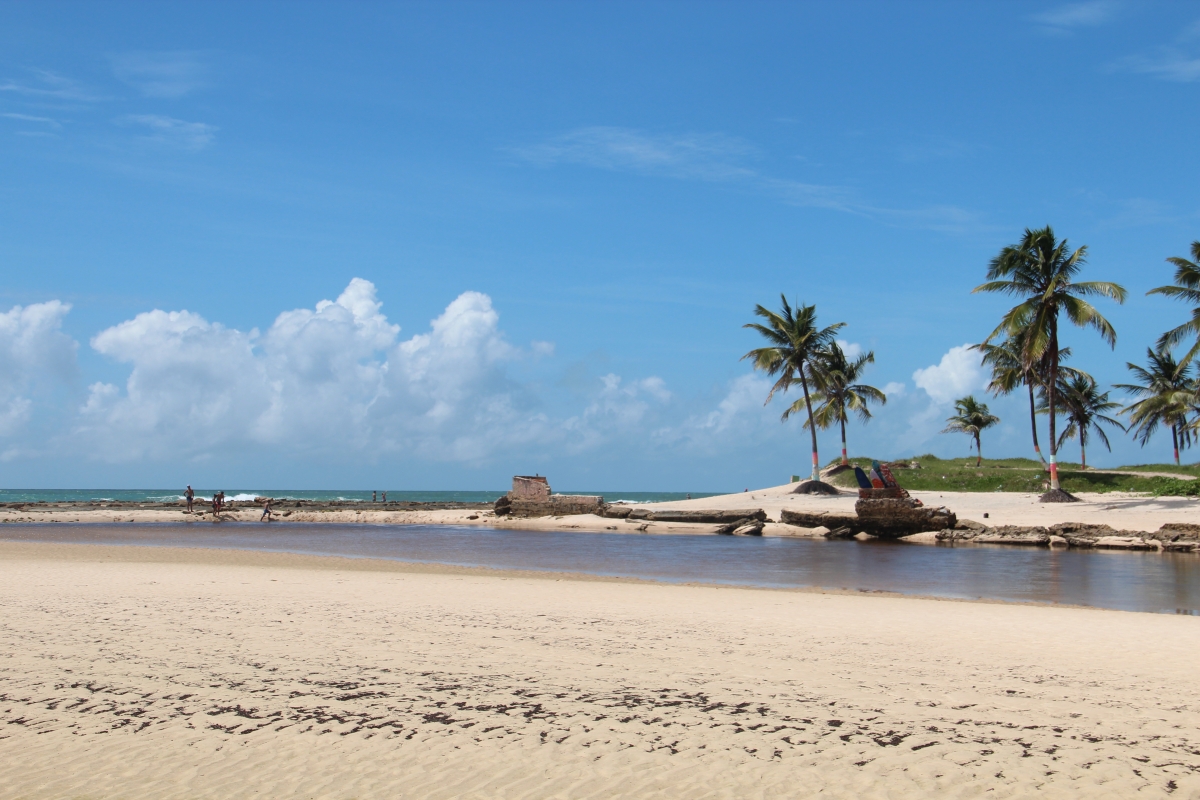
[{"x": 531, "y": 497}]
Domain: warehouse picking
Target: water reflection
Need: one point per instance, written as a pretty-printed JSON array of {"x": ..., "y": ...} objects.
[{"x": 1132, "y": 581}]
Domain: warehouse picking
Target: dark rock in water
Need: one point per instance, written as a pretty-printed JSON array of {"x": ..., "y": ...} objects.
[
  {"x": 964, "y": 530},
  {"x": 895, "y": 517},
  {"x": 1174, "y": 531},
  {"x": 1015, "y": 534},
  {"x": 752, "y": 527},
  {"x": 815, "y": 487},
  {"x": 728, "y": 529},
  {"x": 888, "y": 518},
  {"x": 1058, "y": 496},
  {"x": 706, "y": 517},
  {"x": 817, "y": 519}
]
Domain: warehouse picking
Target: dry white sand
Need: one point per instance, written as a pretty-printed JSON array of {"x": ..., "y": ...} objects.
[{"x": 146, "y": 672}]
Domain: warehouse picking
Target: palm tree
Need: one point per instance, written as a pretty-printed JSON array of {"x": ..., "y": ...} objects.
[
  {"x": 1168, "y": 393},
  {"x": 837, "y": 392},
  {"x": 795, "y": 342},
  {"x": 1186, "y": 288},
  {"x": 1009, "y": 370},
  {"x": 1041, "y": 270},
  {"x": 972, "y": 419},
  {"x": 1084, "y": 406}
]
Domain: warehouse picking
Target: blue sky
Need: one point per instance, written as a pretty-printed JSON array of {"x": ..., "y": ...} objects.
[{"x": 568, "y": 209}]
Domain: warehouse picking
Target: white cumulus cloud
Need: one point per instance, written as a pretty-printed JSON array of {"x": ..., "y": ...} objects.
[
  {"x": 34, "y": 354},
  {"x": 852, "y": 349},
  {"x": 334, "y": 378},
  {"x": 958, "y": 373}
]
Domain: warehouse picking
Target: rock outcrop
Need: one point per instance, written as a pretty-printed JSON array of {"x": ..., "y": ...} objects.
[
  {"x": 1172, "y": 537},
  {"x": 889, "y": 518},
  {"x": 531, "y": 497},
  {"x": 708, "y": 517}
]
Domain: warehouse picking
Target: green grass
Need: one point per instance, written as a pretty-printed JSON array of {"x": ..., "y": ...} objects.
[
  {"x": 1183, "y": 469},
  {"x": 1026, "y": 475}
]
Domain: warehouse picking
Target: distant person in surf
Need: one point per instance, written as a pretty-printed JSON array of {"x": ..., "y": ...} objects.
[
  {"x": 216, "y": 506},
  {"x": 373, "y": 497},
  {"x": 190, "y": 496},
  {"x": 385, "y": 497}
]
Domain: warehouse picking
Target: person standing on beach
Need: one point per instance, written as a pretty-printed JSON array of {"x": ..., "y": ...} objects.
[
  {"x": 190, "y": 496},
  {"x": 266, "y": 511},
  {"x": 216, "y": 505},
  {"x": 373, "y": 497},
  {"x": 385, "y": 497}
]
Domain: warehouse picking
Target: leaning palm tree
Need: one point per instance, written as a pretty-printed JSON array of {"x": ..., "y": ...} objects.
[
  {"x": 1041, "y": 270},
  {"x": 1084, "y": 406},
  {"x": 1186, "y": 288},
  {"x": 1168, "y": 393},
  {"x": 794, "y": 344},
  {"x": 837, "y": 392},
  {"x": 972, "y": 418}
]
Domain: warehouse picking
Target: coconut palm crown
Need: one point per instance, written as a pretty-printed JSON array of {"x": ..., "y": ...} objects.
[
  {"x": 1168, "y": 393},
  {"x": 835, "y": 378},
  {"x": 794, "y": 343},
  {"x": 1042, "y": 270},
  {"x": 1186, "y": 288},
  {"x": 972, "y": 418}
]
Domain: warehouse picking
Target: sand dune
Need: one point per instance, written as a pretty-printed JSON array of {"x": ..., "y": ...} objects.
[{"x": 140, "y": 672}]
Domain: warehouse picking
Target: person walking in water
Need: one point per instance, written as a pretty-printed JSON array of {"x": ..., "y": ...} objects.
[
  {"x": 190, "y": 496},
  {"x": 266, "y": 511}
]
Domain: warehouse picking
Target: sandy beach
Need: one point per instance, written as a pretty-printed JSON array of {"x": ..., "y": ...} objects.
[
  {"x": 1122, "y": 511},
  {"x": 163, "y": 673}
]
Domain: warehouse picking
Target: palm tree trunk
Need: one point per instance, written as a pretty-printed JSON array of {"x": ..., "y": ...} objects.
[
  {"x": 812, "y": 427},
  {"x": 1175, "y": 443},
  {"x": 845, "y": 460},
  {"x": 1082, "y": 455},
  {"x": 978, "y": 450},
  {"x": 1051, "y": 392},
  {"x": 1033, "y": 423}
]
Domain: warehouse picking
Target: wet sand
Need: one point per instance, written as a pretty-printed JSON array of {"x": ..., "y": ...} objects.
[{"x": 153, "y": 672}]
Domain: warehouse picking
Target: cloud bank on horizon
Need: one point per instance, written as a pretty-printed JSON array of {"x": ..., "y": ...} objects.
[{"x": 339, "y": 379}]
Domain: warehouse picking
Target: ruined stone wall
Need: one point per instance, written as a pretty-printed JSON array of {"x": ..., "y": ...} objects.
[{"x": 532, "y": 489}]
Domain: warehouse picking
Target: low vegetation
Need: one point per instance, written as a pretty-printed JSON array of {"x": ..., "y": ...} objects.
[{"x": 1027, "y": 475}]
